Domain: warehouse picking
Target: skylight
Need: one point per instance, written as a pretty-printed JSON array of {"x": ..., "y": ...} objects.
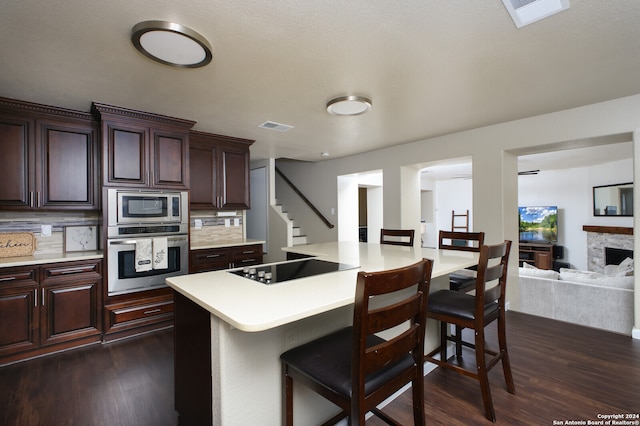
[{"x": 525, "y": 12}]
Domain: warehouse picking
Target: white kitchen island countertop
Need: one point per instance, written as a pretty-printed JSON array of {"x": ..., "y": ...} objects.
[{"x": 251, "y": 306}]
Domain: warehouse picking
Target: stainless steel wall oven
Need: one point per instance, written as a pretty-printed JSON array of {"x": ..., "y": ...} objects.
[{"x": 147, "y": 239}]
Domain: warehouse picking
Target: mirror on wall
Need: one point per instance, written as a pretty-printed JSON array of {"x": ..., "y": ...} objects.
[{"x": 613, "y": 200}]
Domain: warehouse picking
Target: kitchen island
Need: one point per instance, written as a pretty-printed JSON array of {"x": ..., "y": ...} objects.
[{"x": 231, "y": 330}]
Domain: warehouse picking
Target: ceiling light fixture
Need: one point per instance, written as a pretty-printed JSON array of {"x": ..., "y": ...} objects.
[
  {"x": 171, "y": 44},
  {"x": 349, "y": 105},
  {"x": 525, "y": 12}
]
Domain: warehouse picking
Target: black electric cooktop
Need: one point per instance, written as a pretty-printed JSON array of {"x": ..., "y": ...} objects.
[{"x": 277, "y": 273}]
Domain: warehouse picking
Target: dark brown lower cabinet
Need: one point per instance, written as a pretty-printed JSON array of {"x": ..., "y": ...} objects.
[
  {"x": 192, "y": 362},
  {"x": 49, "y": 308},
  {"x": 215, "y": 259},
  {"x": 138, "y": 314}
]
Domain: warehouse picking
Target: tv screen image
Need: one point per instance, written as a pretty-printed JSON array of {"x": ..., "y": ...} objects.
[{"x": 538, "y": 224}]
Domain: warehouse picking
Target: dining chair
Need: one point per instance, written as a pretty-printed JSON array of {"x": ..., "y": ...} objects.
[
  {"x": 476, "y": 311},
  {"x": 355, "y": 368},
  {"x": 398, "y": 237}
]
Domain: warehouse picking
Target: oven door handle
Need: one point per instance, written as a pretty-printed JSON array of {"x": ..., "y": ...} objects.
[{"x": 134, "y": 242}]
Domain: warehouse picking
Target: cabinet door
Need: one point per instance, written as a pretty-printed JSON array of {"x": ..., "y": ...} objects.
[
  {"x": 68, "y": 166},
  {"x": 17, "y": 157},
  {"x": 544, "y": 260},
  {"x": 71, "y": 298},
  {"x": 235, "y": 179},
  {"x": 125, "y": 155},
  {"x": 19, "y": 313},
  {"x": 219, "y": 171},
  {"x": 203, "y": 176},
  {"x": 170, "y": 159}
]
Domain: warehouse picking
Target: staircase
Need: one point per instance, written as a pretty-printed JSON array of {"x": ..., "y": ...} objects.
[{"x": 296, "y": 236}]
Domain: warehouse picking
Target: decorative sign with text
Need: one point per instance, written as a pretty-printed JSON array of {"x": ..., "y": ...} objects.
[{"x": 17, "y": 244}]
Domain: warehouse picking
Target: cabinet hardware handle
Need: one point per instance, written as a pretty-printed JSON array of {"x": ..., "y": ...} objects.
[
  {"x": 152, "y": 311},
  {"x": 7, "y": 279},
  {"x": 248, "y": 252},
  {"x": 43, "y": 297},
  {"x": 35, "y": 297},
  {"x": 72, "y": 270},
  {"x": 247, "y": 260},
  {"x": 211, "y": 256},
  {"x": 38, "y": 199},
  {"x": 31, "y": 199}
]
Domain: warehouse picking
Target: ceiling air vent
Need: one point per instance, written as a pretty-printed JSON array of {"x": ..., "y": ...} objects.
[
  {"x": 271, "y": 125},
  {"x": 525, "y": 12}
]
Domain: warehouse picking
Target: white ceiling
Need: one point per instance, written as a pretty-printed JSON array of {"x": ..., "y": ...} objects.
[{"x": 431, "y": 67}]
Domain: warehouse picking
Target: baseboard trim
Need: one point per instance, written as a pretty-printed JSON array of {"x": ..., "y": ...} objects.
[{"x": 635, "y": 333}]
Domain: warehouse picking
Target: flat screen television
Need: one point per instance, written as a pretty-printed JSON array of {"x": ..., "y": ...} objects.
[{"x": 538, "y": 224}]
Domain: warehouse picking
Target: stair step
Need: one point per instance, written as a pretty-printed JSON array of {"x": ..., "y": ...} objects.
[{"x": 299, "y": 240}]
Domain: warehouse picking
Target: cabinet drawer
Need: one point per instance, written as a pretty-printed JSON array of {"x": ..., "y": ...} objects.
[
  {"x": 140, "y": 312},
  {"x": 67, "y": 269},
  {"x": 247, "y": 251},
  {"x": 210, "y": 259},
  {"x": 18, "y": 275}
]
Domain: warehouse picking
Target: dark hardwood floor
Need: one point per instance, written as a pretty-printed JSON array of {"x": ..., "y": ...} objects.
[
  {"x": 562, "y": 372},
  {"x": 124, "y": 383}
]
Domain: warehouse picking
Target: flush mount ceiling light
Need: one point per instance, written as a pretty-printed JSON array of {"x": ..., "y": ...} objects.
[
  {"x": 349, "y": 105},
  {"x": 171, "y": 44}
]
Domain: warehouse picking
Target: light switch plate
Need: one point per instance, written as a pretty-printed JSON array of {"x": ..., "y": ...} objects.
[
  {"x": 236, "y": 222},
  {"x": 227, "y": 223},
  {"x": 45, "y": 230},
  {"x": 198, "y": 223}
]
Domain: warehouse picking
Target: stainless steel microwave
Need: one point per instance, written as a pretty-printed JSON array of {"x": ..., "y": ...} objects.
[{"x": 146, "y": 207}]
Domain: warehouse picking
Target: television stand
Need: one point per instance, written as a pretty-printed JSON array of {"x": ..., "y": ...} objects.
[{"x": 539, "y": 255}]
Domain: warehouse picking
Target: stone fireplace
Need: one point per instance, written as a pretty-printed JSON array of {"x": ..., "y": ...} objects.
[{"x": 600, "y": 238}]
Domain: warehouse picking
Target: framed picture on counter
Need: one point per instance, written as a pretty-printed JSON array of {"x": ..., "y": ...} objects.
[{"x": 80, "y": 238}]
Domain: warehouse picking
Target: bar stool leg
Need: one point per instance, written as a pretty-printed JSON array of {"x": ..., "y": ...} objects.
[{"x": 483, "y": 376}]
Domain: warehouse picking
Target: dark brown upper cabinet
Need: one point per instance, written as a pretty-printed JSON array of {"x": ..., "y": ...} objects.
[
  {"x": 141, "y": 149},
  {"x": 49, "y": 157},
  {"x": 219, "y": 172}
]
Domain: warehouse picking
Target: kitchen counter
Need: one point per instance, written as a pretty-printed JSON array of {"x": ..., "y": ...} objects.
[
  {"x": 230, "y": 330},
  {"x": 227, "y": 243},
  {"x": 251, "y": 306},
  {"x": 38, "y": 259}
]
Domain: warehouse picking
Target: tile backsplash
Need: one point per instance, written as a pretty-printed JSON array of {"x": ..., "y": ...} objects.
[
  {"x": 33, "y": 221},
  {"x": 214, "y": 228}
]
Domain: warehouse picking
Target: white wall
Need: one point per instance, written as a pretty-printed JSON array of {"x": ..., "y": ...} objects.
[
  {"x": 453, "y": 195},
  {"x": 494, "y": 151}
]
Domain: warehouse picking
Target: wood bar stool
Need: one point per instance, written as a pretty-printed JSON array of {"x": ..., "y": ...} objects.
[
  {"x": 465, "y": 279},
  {"x": 476, "y": 312},
  {"x": 466, "y": 241},
  {"x": 353, "y": 367},
  {"x": 397, "y": 236}
]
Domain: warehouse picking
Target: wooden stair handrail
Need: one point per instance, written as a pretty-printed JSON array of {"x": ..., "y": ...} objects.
[{"x": 305, "y": 199}]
